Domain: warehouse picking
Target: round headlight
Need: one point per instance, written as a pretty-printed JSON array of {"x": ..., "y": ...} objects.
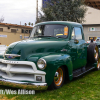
[{"x": 41, "y": 63}]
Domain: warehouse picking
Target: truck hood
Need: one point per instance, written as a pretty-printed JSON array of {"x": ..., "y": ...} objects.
[{"x": 37, "y": 46}]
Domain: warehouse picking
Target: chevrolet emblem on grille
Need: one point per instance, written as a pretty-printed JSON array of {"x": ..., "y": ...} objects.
[{"x": 11, "y": 56}]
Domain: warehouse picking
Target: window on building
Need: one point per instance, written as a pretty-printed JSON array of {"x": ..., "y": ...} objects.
[
  {"x": 92, "y": 38},
  {"x": 13, "y": 30},
  {"x": 22, "y": 30},
  {"x": 1, "y": 29},
  {"x": 30, "y": 31},
  {"x": 26, "y": 31}
]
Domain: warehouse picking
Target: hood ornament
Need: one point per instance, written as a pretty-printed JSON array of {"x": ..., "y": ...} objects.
[{"x": 11, "y": 56}]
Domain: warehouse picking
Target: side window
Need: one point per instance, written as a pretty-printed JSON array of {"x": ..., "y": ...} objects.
[
  {"x": 78, "y": 33},
  {"x": 38, "y": 31}
]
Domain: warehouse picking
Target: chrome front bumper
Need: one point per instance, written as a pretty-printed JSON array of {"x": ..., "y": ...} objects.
[{"x": 23, "y": 85}]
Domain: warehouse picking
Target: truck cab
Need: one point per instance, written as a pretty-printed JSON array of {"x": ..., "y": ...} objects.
[{"x": 55, "y": 51}]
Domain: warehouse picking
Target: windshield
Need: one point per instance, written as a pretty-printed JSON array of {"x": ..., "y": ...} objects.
[{"x": 50, "y": 31}]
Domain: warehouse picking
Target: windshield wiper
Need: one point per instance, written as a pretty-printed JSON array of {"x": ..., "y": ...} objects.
[
  {"x": 45, "y": 36},
  {"x": 60, "y": 37}
]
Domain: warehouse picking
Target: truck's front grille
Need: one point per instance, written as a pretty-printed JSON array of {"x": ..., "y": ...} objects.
[
  {"x": 3, "y": 73},
  {"x": 19, "y": 77},
  {"x": 17, "y": 72},
  {"x": 2, "y": 65},
  {"x": 20, "y": 70}
]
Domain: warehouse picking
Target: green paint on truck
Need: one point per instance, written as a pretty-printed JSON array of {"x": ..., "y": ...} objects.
[{"x": 55, "y": 51}]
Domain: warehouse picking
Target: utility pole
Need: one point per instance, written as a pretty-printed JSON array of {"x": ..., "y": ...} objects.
[{"x": 37, "y": 10}]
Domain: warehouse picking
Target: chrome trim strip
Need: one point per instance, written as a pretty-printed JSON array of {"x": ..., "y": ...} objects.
[
  {"x": 11, "y": 56},
  {"x": 24, "y": 85}
]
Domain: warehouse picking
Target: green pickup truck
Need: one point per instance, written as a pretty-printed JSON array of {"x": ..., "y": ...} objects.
[{"x": 55, "y": 51}]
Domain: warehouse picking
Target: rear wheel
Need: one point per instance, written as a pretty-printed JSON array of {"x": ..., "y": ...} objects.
[
  {"x": 98, "y": 64},
  {"x": 92, "y": 53},
  {"x": 59, "y": 79}
]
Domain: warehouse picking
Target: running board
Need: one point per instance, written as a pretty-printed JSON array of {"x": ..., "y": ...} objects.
[{"x": 81, "y": 71}]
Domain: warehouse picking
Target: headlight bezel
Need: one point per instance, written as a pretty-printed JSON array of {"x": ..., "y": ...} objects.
[{"x": 42, "y": 63}]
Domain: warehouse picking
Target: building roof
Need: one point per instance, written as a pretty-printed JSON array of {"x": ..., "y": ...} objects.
[
  {"x": 15, "y": 25},
  {"x": 92, "y": 16},
  {"x": 93, "y": 3}
]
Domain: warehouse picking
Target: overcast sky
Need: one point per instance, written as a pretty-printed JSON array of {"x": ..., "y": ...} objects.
[{"x": 15, "y": 11}]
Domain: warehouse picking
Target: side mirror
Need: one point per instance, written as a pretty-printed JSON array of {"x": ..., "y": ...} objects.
[{"x": 76, "y": 41}]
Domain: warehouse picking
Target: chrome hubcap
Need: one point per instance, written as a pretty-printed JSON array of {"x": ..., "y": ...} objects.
[
  {"x": 96, "y": 53},
  {"x": 58, "y": 78},
  {"x": 98, "y": 63}
]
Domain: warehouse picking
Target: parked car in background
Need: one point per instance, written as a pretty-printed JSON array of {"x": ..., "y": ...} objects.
[
  {"x": 2, "y": 49},
  {"x": 88, "y": 41},
  {"x": 98, "y": 39}
]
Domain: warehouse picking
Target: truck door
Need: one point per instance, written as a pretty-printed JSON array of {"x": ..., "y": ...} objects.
[{"x": 78, "y": 48}]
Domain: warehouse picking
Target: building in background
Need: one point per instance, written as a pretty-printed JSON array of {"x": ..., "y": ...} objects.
[
  {"x": 91, "y": 26},
  {"x": 11, "y": 33}
]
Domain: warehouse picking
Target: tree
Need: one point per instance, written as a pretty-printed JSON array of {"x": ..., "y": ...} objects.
[
  {"x": 29, "y": 23},
  {"x": 25, "y": 24},
  {"x": 1, "y": 19},
  {"x": 63, "y": 10}
]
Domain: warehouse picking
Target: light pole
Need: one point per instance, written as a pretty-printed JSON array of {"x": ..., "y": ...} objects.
[{"x": 37, "y": 10}]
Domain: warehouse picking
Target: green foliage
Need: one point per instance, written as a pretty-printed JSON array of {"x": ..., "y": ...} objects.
[
  {"x": 64, "y": 10},
  {"x": 29, "y": 23},
  {"x": 25, "y": 24}
]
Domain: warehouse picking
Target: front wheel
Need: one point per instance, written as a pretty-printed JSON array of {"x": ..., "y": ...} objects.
[{"x": 59, "y": 79}]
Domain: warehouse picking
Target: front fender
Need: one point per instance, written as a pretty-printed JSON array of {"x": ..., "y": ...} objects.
[{"x": 56, "y": 61}]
